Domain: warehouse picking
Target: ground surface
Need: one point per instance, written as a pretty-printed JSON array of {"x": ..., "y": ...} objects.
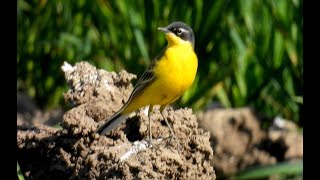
[
  {"x": 225, "y": 141},
  {"x": 238, "y": 141},
  {"x": 76, "y": 151}
]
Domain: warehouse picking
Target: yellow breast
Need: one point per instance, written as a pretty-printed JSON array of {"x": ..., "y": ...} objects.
[{"x": 174, "y": 73}]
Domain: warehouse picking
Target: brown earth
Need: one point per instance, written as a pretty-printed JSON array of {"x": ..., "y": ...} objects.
[
  {"x": 238, "y": 141},
  {"x": 76, "y": 152},
  {"x": 225, "y": 142}
]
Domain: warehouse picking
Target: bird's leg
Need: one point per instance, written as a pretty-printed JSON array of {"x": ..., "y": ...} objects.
[
  {"x": 171, "y": 131},
  {"x": 150, "y": 135}
]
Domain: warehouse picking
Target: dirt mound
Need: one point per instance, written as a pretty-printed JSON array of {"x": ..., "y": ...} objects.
[
  {"x": 238, "y": 142},
  {"x": 76, "y": 152}
]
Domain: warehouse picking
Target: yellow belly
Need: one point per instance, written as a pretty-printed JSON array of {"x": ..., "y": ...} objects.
[{"x": 174, "y": 74}]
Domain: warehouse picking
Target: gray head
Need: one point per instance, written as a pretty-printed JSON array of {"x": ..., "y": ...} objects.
[{"x": 181, "y": 30}]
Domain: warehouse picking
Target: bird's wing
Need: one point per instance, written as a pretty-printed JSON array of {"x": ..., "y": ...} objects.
[{"x": 146, "y": 78}]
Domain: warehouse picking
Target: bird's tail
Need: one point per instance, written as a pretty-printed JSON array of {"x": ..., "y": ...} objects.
[{"x": 111, "y": 123}]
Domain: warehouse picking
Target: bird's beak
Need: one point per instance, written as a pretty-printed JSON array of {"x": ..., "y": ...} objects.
[{"x": 164, "y": 29}]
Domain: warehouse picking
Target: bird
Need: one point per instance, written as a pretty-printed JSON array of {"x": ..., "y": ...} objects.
[{"x": 166, "y": 78}]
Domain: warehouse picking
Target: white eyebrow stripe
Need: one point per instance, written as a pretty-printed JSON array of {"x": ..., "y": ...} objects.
[{"x": 182, "y": 30}]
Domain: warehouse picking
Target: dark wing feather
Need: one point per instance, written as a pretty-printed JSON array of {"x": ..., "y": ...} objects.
[
  {"x": 144, "y": 81},
  {"x": 146, "y": 78}
]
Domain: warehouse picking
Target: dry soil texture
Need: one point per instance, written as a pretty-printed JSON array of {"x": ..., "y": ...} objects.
[{"x": 75, "y": 151}]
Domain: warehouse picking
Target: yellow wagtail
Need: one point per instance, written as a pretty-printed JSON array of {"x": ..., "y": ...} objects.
[{"x": 165, "y": 79}]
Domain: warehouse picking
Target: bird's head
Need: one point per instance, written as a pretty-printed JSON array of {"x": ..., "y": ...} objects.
[{"x": 177, "y": 33}]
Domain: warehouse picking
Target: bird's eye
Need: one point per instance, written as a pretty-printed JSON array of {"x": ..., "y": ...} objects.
[{"x": 179, "y": 31}]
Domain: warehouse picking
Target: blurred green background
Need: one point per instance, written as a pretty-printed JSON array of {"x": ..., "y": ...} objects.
[{"x": 250, "y": 51}]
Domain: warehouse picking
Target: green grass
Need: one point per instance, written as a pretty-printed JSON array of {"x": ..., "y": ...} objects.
[
  {"x": 19, "y": 173},
  {"x": 280, "y": 171},
  {"x": 250, "y": 51}
]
